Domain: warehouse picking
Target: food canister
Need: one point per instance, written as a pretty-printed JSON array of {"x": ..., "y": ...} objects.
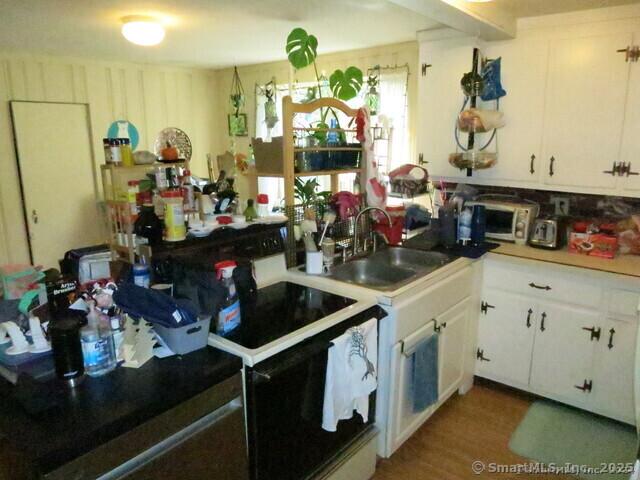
[{"x": 175, "y": 229}]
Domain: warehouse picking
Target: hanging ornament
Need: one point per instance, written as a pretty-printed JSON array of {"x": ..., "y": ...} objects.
[
  {"x": 236, "y": 97},
  {"x": 325, "y": 88},
  {"x": 372, "y": 98},
  {"x": 270, "y": 110}
]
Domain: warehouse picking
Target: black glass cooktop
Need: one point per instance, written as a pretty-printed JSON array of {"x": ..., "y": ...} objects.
[{"x": 279, "y": 309}]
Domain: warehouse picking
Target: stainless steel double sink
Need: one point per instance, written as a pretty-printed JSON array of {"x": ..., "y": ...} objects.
[{"x": 390, "y": 268}]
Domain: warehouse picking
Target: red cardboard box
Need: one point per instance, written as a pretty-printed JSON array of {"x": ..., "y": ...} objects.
[{"x": 593, "y": 244}]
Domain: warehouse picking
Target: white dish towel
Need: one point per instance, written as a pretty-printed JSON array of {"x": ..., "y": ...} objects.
[{"x": 352, "y": 370}]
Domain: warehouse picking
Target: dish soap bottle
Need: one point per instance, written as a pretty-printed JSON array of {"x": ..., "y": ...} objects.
[
  {"x": 229, "y": 315},
  {"x": 98, "y": 349}
]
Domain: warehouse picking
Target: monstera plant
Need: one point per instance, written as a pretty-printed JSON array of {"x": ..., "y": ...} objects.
[{"x": 302, "y": 50}]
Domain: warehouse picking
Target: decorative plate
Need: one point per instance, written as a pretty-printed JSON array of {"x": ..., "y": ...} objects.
[{"x": 176, "y": 138}]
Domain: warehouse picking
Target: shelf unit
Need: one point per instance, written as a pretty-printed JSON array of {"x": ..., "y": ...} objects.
[{"x": 119, "y": 218}]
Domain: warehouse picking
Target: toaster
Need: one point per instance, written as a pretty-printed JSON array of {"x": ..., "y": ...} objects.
[{"x": 548, "y": 233}]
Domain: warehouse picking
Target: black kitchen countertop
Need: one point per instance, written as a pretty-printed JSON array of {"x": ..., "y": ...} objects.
[{"x": 50, "y": 424}]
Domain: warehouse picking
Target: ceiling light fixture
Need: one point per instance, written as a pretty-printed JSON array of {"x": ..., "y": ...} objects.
[{"x": 142, "y": 30}]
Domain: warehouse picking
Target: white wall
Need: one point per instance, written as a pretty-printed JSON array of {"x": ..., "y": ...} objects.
[
  {"x": 152, "y": 97},
  {"x": 400, "y": 54}
]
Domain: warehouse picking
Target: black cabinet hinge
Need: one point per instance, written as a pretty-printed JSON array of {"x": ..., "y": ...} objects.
[
  {"x": 586, "y": 386},
  {"x": 480, "y": 356},
  {"x": 595, "y": 332},
  {"x": 484, "y": 306}
]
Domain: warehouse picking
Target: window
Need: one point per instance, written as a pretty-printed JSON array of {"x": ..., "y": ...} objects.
[{"x": 392, "y": 112}]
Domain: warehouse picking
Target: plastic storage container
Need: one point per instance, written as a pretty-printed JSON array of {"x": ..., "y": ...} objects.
[
  {"x": 185, "y": 339},
  {"x": 175, "y": 229}
]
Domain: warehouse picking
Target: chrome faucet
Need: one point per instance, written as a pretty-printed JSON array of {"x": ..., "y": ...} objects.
[{"x": 355, "y": 228}]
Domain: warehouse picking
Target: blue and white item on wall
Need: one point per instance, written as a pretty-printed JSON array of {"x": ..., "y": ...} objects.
[{"x": 124, "y": 129}]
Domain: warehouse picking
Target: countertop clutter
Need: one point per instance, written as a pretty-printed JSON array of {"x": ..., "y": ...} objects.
[{"x": 46, "y": 425}]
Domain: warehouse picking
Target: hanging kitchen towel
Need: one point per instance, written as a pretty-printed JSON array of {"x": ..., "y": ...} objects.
[
  {"x": 351, "y": 374},
  {"x": 425, "y": 374}
]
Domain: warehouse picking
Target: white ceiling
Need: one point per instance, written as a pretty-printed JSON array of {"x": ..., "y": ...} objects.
[
  {"x": 211, "y": 33},
  {"x": 534, "y": 8}
]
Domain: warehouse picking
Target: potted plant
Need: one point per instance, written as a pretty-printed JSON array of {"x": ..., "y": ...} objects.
[{"x": 301, "y": 50}]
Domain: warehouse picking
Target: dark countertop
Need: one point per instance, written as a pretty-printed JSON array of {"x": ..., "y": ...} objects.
[{"x": 50, "y": 425}]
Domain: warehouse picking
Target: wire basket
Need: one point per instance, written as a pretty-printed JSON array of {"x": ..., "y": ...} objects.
[{"x": 341, "y": 231}]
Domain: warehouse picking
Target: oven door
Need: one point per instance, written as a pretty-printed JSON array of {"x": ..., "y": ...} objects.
[
  {"x": 285, "y": 396},
  {"x": 500, "y": 222}
]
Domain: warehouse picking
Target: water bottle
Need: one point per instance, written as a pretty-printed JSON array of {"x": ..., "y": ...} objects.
[{"x": 98, "y": 348}]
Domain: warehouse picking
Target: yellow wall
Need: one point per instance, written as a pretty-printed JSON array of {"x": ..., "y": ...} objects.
[
  {"x": 399, "y": 54},
  {"x": 152, "y": 97}
]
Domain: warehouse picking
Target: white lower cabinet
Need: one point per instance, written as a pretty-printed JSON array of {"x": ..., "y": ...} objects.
[
  {"x": 563, "y": 352},
  {"x": 560, "y": 345},
  {"x": 451, "y": 329},
  {"x": 505, "y": 337}
]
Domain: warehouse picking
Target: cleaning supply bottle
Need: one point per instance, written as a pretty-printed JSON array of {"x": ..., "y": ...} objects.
[
  {"x": 98, "y": 349},
  {"x": 229, "y": 315}
]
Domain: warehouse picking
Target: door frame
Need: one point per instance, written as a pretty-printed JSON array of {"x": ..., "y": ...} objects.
[{"x": 25, "y": 214}]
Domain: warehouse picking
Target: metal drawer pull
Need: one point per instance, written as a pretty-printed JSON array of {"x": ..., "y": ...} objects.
[
  {"x": 595, "y": 332},
  {"x": 611, "y": 333},
  {"x": 539, "y": 287},
  {"x": 586, "y": 386},
  {"x": 543, "y": 317},
  {"x": 551, "y": 160},
  {"x": 529, "y": 313},
  {"x": 532, "y": 170},
  {"x": 480, "y": 356}
]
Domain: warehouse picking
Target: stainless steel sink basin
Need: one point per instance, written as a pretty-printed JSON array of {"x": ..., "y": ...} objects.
[
  {"x": 413, "y": 259},
  {"x": 371, "y": 274},
  {"x": 390, "y": 268}
]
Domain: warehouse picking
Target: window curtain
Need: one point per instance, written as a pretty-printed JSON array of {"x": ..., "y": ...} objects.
[{"x": 393, "y": 105}]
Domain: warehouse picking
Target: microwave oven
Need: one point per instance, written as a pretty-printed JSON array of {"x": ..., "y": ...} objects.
[{"x": 508, "y": 220}]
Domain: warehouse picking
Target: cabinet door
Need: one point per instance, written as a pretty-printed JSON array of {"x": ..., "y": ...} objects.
[
  {"x": 505, "y": 337},
  {"x": 584, "y": 110},
  {"x": 563, "y": 352},
  {"x": 403, "y": 420},
  {"x": 519, "y": 142},
  {"x": 453, "y": 335},
  {"x": 630, "y": 185},
  {"x": 613, "y": 373},
  {"x": 440, "y": 99}
]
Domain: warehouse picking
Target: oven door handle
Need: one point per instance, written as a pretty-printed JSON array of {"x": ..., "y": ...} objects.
[{"x": 301, "y": 355}]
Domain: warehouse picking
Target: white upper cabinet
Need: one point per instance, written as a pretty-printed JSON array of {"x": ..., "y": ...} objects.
[
  {"x": 584, "y": 110},
  {"x": 524, "y": 69},
  {"x": 630, "y": 183},
  {"x": 440, "y": 99}
]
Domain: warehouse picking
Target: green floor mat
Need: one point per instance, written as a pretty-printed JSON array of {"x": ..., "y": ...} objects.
[{"x": 551, "y": 433}]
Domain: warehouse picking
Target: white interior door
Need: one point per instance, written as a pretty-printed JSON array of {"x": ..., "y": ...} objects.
[
  {"x": 584, "y": 111},
  {"x": 55, "y": 160}
]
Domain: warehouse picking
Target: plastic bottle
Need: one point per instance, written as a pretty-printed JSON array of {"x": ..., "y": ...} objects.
[
  {"x": 118, "y": 334},
  {"x": 229, "y": 315},
  {"x": 263, "y": 205},
  {"x": 175, "y": 229},
  {"x": 141, "y": 275},
  {"x": 133, "y": 188},
  {"x": 114, "y": 146},
  {"x": 98, "y": 349},
  {"x": 126, "y": 153},
  {"x": 188, "y": 194},
  {"x": 464, "y": 226}
]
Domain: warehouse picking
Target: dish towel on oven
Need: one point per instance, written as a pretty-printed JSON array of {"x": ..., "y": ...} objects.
[{"x": 352, "y": 368}]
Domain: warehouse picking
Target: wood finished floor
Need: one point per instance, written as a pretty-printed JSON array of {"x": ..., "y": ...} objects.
[{"x": 475, "y": 426}]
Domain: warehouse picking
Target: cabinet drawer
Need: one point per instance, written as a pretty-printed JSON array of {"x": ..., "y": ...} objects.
[
  {"x": 421, "y": 308},
  {"x": 544, "y": 281}
]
